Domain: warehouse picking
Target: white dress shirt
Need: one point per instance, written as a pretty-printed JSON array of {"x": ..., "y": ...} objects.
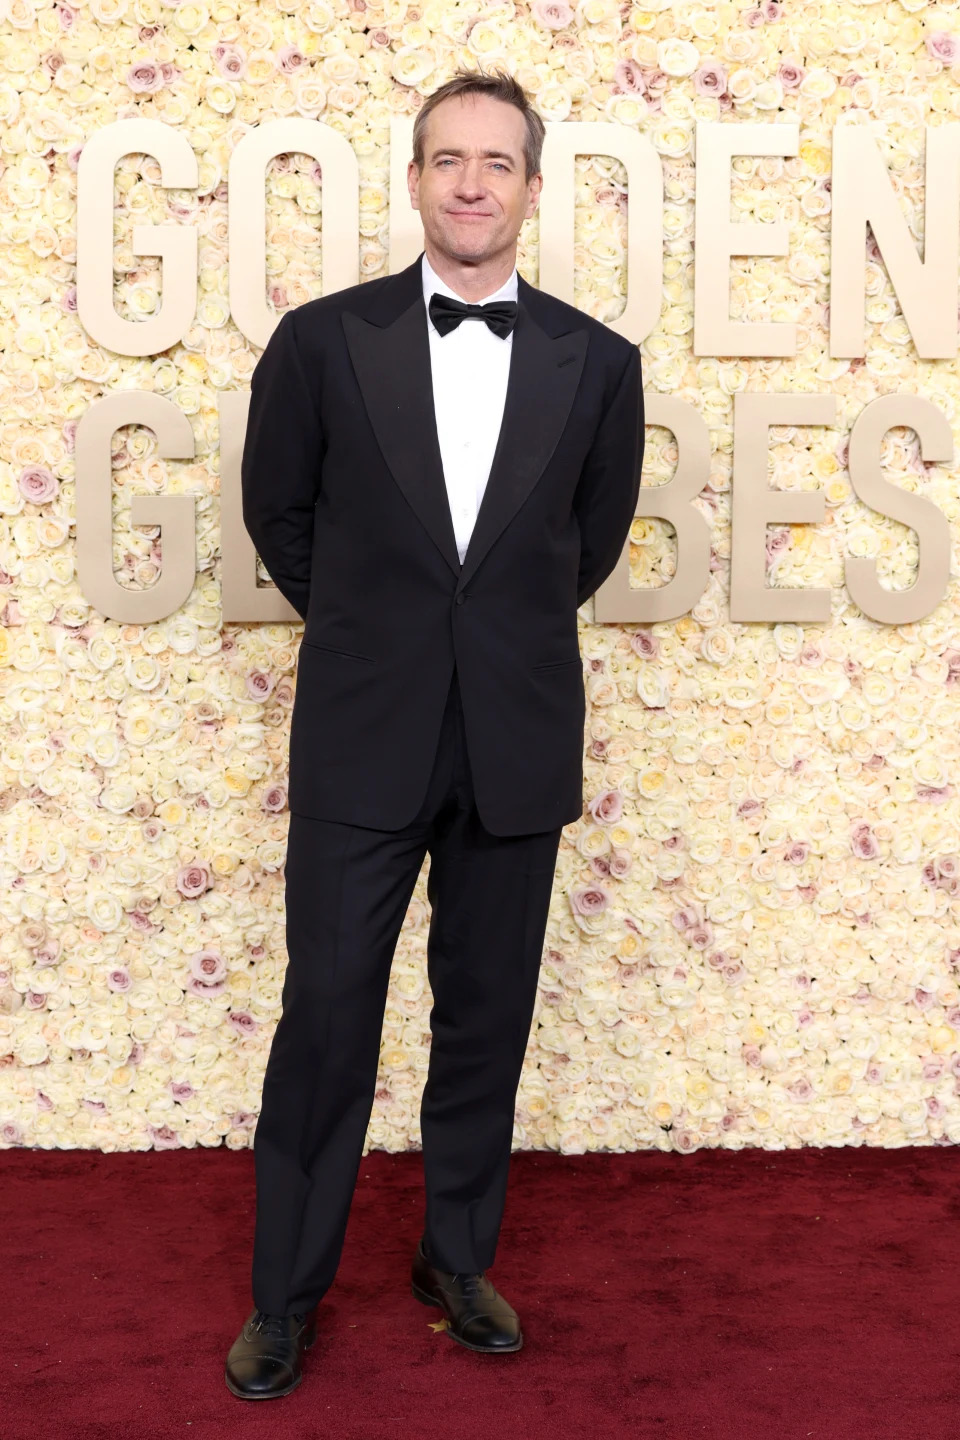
[{"x": 470, "y": 366}]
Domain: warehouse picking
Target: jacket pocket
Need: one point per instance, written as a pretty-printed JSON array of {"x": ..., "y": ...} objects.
[
  {"x": 555, "y": 664},
  {"x": 330, "y": 650}
]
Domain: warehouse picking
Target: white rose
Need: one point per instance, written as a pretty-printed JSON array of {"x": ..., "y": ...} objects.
[
  {"x": 677, "y": 57},
  {"x": 412, "y": 65}
]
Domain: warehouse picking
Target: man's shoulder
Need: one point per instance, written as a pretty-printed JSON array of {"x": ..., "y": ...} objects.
[
  {"x": 604, "y": 344},
  {"x": 314, "y": 315}
]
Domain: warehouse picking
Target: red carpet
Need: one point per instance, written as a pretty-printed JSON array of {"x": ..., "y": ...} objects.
[{"x": 761, "y": 1295}]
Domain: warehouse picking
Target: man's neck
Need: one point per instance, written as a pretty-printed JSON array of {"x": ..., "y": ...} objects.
[{"x": 472, "y": 281}]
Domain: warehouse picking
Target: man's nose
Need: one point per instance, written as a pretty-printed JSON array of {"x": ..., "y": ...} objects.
[{"x": 470, "y": 180}]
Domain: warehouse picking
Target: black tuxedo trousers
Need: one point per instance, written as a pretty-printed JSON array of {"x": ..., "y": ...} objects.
[{"x": 347, "y": 892}]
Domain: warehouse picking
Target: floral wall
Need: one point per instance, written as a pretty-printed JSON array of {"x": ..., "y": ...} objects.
[{"x": 754, "y": 933}]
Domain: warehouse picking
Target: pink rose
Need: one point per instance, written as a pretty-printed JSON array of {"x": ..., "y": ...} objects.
[
  {"x": 590, "y": 900},
  {"x": 275, "y": 799},
  {"x": 790, "y": 75},
  {"x": 206, "y": 992},
  {"x": 933, "y": 794},
  {"x": 628, "y": 77},
  {"x": 208, "y": 966},
  {"x": 686, "y": 917},
  {"x": 193, "y": 880},
  {"x": 119, "y": 980},
  {"x": 259, "y": 684},
  {"x": 943, "y": 46},
  {"x": 163, "y": 1137},
  {"x": 644, "y": 644},
  {"x": 38, "y": 484},
  {"x": 289, "y": 59},
  {"x": 620, "y": 862},
  {"x": 554, "y": 14},
  {"x": 606, "y": 807},
  {"x": 145, "y": 78},
  {"x": 863, "y": 842},
  {"x": 230, "y": 61},
  {"x": 777, "y": 540},
  {"x": 710, "y": 79}
]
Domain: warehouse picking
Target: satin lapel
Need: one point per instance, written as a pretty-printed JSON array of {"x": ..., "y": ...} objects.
[
  {"x": 392, "y": 366},
  {"x": 544, "y": 374}
]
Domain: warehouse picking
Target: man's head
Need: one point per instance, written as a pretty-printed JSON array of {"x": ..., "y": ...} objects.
[{"x": 475, "y": 173}]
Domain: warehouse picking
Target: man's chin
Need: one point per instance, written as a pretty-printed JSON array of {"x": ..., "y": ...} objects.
[{"x": 468, "y": 249}]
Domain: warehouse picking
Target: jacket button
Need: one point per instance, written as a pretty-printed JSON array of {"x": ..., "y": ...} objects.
[{"x": 460, "y": 599}]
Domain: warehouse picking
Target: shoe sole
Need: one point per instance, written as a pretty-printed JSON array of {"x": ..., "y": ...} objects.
[
  {"x": 269, "y": 1394},
  {"x": 426, "y": 1299}
]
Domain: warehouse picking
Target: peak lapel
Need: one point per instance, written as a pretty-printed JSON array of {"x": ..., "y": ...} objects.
[
  {"x": 544, "y": 374},
  {"x": 392, "y": 365}
]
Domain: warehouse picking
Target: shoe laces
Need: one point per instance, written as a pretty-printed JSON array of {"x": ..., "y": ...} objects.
[
  {"x": 272, "y": 1326},
  {"x": 471, "y": 1284}
]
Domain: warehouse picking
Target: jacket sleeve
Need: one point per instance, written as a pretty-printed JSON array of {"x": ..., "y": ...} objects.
[
  {"x": 606, "y": 496},
  {"x": 280, "y": 465}
]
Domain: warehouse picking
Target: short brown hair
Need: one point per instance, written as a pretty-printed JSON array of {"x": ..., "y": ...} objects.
[{"x": 498, "y": 85}]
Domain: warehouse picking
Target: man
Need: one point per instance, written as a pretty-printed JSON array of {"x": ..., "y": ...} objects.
[{"x": 440, "y": 466}]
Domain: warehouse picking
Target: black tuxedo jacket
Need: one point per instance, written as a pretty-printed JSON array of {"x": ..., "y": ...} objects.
[{"x": 345, "y": 501}]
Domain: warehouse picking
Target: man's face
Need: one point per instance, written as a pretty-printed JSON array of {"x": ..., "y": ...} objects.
[{"x": 472, "y": 195}]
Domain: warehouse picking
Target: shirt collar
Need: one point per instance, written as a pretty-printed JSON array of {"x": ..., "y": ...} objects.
[{"x": 432, "y": 283}]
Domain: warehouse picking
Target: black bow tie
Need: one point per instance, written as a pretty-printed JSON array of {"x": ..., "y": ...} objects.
[{"x": 446, "y": 314}]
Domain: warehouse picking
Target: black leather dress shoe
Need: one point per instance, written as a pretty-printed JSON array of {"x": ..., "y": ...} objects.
[
  {"x": 265, "y": 1359},
  {"x": 477, "y": 1314}
]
